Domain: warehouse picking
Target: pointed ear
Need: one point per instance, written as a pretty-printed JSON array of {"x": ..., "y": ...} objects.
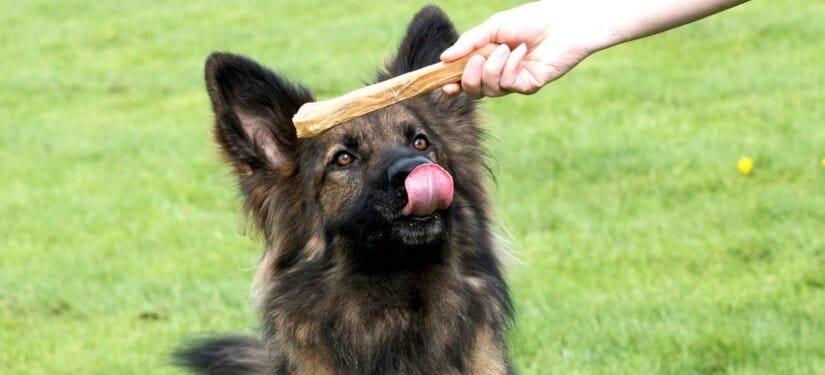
[
  {"x": 253, "y": 113},
  {"x": 430, "y": 32}
]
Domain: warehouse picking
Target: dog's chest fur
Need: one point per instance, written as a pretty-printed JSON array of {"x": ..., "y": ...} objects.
[{"x": 436, "y": 322}]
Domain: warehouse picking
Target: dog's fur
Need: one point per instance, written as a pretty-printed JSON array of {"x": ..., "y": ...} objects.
[{"x": 347, "y": 285}]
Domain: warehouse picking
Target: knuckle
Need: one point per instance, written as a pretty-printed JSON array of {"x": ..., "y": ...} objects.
[
  {"x": 490, "y": 89},
  {"x": 491, "y": 70},
  {"x": 471, "y": 89},
  {"x": 507, "y": 85}
]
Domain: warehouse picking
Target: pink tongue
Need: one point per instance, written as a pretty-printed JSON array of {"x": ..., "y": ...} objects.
[{"x": 429, "y": 188}]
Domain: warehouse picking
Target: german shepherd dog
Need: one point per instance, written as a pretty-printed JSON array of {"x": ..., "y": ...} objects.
[{"x": 379, "y": 255}]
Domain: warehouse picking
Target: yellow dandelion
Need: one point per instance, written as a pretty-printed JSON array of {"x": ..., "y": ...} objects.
[
  {"x": 745, "y": 165},
  {"x": 822, "y": 162},
  {"x": 109, "y": 34}
]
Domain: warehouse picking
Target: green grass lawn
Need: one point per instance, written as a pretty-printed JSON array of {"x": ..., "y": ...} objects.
[{"x": 640, "y": 247}]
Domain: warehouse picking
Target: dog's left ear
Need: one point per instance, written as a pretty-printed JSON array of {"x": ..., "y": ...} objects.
[{"x": 430, "y": 32}]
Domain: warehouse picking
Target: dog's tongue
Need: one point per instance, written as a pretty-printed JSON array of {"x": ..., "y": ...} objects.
[{"x": 429, "y": 188}]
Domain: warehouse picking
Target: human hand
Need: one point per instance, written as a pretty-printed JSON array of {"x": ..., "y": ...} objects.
[
  {"x": 543, "y": 40},
  {"x": 540, "y": 42}
]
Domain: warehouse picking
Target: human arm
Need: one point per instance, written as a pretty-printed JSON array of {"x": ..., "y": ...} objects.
[{"x": 543, "y": 40}]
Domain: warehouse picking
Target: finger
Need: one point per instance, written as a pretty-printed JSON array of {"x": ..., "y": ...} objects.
[
  {"x": 470, "y": 41},
  {"x": 491, "y": 73},
  {"x": 451, "y": 88},
  {"x": 471, "y": 78},
  {"x": 511, "y": 70},
  {"x": 466, "y": 43}
]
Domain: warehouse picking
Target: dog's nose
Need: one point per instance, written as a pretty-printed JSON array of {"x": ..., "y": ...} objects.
[{"x": 398, "y": 170}]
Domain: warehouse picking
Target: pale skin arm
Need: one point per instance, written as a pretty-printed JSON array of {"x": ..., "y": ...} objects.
[{"x": 543, "y": 40}]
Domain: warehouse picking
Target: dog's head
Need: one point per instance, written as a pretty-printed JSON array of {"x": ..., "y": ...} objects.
[{"x": 386, "y": 189}]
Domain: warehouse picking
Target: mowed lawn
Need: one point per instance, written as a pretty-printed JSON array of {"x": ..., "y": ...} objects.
[{"x": 639, "y": 247}]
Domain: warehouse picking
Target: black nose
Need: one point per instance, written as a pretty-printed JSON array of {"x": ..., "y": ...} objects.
[{"x": 399, "y": 169}]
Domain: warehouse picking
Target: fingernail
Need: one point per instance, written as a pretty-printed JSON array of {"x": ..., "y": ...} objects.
[{"x": 502, "y": 49}]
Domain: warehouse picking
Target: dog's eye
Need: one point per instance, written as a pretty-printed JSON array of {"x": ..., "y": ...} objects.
[
  {"x": 343, "y": 159},
  {"x": 420, "y": 143}
]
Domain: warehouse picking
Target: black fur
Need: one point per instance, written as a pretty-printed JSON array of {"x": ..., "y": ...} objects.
[
  {"x": 237, "y": 84},
  {"x": 224, "y": 356},
  {"x": 348, "y": 285}
]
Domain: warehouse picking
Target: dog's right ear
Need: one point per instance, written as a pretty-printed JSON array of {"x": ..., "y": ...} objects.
[{"x": 253, "y": 113}]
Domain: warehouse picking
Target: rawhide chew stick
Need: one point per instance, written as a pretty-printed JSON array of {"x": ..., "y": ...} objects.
[{"x": 315, "y": 118}]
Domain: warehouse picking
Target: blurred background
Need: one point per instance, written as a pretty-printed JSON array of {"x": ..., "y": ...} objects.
[{"x": 640, "y": 247}]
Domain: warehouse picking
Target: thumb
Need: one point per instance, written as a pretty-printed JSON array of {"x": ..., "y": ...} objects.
[{"x": 470, "y": 41}]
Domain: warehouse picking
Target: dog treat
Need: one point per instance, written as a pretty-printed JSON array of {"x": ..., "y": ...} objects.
[{"x": 315, "y": 118}]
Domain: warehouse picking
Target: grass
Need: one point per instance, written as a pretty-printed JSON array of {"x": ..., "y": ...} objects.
[{"x": 641, "y": 248}]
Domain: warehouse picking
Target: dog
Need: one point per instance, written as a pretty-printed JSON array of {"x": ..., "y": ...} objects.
[{"x": 379, "y": 255}]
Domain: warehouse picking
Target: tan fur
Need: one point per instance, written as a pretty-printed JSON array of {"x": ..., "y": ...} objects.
[
  {"x": 314, "y": 247},
  {"x": 487, "y": 356},
  {"x": 309, "y": 362},
  {"x": 263, "y": 276}
]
